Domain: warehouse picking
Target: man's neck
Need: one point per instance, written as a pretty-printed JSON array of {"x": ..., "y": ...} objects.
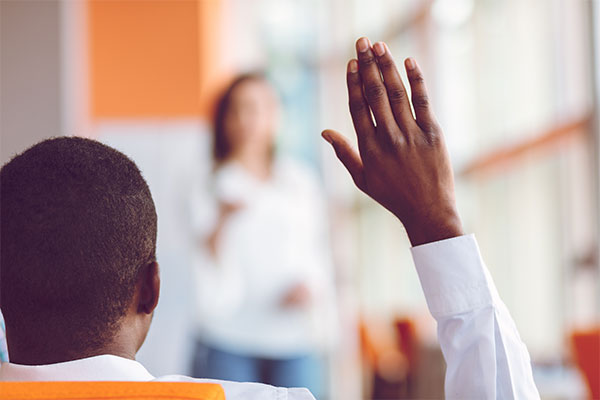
[
  {"x": 56, "y": 351},
  {"x": 37, "y": 358}
]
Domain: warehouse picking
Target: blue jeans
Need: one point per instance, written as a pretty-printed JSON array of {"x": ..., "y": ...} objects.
[{"x": 303, "y": 371}]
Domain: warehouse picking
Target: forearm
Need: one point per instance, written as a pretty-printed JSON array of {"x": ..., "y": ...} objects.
[
  {"x": 485, "y": 357},
  {"x": 211, "y": 241},
  {"x": 484, "y": 354}
]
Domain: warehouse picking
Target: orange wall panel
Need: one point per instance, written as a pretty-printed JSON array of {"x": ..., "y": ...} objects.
[{"x": 144, "y": 58}]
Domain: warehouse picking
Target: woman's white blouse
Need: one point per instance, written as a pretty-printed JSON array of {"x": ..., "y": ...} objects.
[{"x": 276, "y": 240}]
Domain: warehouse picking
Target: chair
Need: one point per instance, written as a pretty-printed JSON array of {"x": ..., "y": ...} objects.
[
  {"x": 110, "y": 390},
  {"x": 586, "y": 346}
]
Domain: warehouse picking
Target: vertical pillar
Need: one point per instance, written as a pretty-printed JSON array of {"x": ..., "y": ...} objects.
[{"x": 30, "y": 77}]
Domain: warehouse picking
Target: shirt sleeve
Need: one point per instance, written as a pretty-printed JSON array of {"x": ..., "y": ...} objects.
[
  {"x": 485, "y": 356},
  {"x": 299, "y": 394}
]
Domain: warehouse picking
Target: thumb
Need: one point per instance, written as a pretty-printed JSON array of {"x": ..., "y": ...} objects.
[{"x": 347, "y": 155}]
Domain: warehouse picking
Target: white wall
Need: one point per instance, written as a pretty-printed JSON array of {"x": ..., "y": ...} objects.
[{"x": 30, "y": 74}]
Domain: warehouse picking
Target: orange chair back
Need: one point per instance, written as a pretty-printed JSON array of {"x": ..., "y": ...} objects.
[
  {"x": 110, "y": 390},
  {"x": 586, "y": 345}
]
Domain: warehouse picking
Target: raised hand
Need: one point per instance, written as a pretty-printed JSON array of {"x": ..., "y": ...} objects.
[{"x": 402, "y": 161}]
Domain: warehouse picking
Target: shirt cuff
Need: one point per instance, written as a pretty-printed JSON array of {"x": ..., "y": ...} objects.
[{"x": 453, "y": 276}]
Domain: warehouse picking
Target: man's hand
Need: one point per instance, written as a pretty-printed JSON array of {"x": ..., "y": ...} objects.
[{"x": 402, "y": 161}]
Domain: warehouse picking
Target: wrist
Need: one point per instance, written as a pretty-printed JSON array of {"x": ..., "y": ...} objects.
[{"x": 431, "y": 228}]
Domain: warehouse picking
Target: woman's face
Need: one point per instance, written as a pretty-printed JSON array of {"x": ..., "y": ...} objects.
[{"x": 250, "y": 121}]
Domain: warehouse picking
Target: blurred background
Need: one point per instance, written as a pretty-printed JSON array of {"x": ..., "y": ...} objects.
[{"x": 515, "y": 86}]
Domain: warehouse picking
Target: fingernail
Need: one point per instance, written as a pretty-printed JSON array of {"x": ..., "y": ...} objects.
[
  {"x": 353, "y": 66},
  {"x": 327, "y": 137},
  {"x": 362, "y": 45},
  {"x": 410, "y": 63},
  {"x": 379, "y": 49}
]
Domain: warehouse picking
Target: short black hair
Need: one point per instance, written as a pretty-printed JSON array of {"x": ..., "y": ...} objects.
[{"x": 77, "y": 223}]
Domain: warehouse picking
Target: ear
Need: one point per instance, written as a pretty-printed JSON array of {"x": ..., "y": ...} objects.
[{"x": 149, "y": 288}]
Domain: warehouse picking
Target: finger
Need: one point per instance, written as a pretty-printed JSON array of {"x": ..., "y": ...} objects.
[
  {"x": 420, "y": 100},
  {"x": 347, "y": 155},
  {"x": 395, "y": 87},
  {"x": 374, "y": 89},
  {"x": 359, "y": 109}
]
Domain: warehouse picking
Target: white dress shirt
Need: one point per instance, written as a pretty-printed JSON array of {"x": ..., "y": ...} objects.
[
  {"x": 485, "y": 357},
  {"x": 113, "y": 368}
]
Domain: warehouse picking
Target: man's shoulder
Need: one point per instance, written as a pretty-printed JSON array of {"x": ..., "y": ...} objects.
[{"x": 247, "y": 390}]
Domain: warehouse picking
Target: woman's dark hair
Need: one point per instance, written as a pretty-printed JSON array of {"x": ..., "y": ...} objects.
[{"x": 222, "y": 146}]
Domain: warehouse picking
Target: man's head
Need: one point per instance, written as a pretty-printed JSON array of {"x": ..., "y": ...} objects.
[{"x": 78, "y": 272}]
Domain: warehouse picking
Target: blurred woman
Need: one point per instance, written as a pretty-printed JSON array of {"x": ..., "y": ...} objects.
[{"x": 265, "y": 308}]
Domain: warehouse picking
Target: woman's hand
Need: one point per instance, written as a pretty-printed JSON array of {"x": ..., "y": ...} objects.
[
  {"x": 298, "y": 296},
  {"x": 225, "y": 211},
  {"x": 402, "y": 161}
]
